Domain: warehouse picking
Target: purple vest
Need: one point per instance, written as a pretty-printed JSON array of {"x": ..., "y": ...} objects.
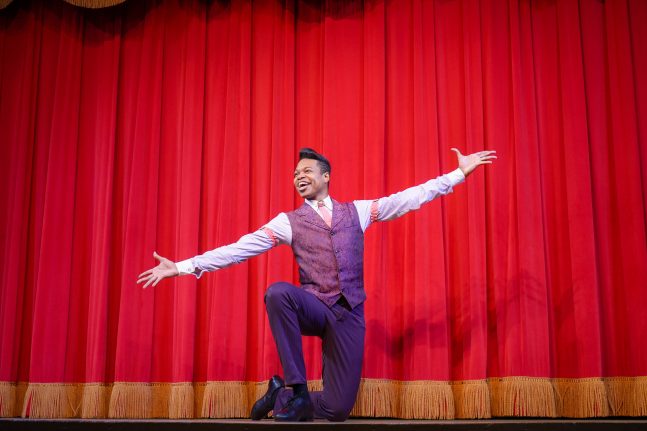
[{"x": 331, "y": 260}]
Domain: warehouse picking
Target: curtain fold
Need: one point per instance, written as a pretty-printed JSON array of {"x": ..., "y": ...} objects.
[{"x": 173, "y": 126}]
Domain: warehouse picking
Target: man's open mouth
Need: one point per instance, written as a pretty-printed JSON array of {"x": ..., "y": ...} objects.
[{"x": 302, "y": 185}]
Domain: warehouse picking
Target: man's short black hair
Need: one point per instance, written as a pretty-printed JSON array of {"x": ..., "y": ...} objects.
[{"x": 309, "y": 153}]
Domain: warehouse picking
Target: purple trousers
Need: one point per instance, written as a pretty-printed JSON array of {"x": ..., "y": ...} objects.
[{"x": 294, "y": 312}]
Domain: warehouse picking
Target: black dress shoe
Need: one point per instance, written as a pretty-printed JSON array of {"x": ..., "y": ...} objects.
[
  {"x": 298, "y": 409},
  {"x": 265, "y": 404}
]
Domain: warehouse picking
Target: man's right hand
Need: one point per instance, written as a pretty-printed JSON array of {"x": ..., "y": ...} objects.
[{"x": 165, "y": 269}]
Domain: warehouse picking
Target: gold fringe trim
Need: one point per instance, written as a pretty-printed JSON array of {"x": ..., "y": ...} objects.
[
  {"x": 161, "y": 399},
  {"x": 181, "y": 401},
  {"x": 94, "y": 4},
  {"x": 198, "y": 397},
  {"x": 313, "y": 386},
  {"x": 225, "y": 400},
  {"x": 472, "y": 399},
  {"x": 376, "y": 398},
  {"x": 640, "y": 396},
  {"x": 581, "y": 398},
  {"x": 627, "y": 395},
  {"x": 509, "y": 396},
  {"x": 47, "y": 400},
  {"x": 95, "y": 399},
  {"x": 620, "y": 396},
  {"x": 522, "y": 396},
  {"x": 426, "y": 400},
  {"x": 131, "y": 400},
  {"x": 7, "y": 399}
]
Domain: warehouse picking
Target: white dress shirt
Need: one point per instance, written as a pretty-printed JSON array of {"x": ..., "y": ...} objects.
[{"x": 278, "y": 230}]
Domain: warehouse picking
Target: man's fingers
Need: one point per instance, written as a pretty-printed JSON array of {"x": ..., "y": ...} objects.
[
  {"x": 150, "y": 271},
  {"x": 146, "y": 278},
  {"x": 147, "y": 274},
  {"x": 150, "y": 280}
]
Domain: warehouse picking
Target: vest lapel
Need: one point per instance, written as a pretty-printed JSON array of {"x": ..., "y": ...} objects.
[
  {"x": 310, "y": 216},
  {"x": 338, "y": 213}
]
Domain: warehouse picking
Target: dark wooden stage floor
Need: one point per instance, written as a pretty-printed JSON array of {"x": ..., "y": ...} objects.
[{"x": 615, "y": 424}]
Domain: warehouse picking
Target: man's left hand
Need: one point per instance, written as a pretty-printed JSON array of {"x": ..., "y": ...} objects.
[{"x": 470, "y": 162}]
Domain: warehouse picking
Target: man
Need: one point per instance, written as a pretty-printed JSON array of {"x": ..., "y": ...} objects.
[{"x": 327, "y": 238}]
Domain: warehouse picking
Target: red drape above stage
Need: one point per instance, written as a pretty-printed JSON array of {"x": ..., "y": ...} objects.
[{"x": 174, "y": 126}]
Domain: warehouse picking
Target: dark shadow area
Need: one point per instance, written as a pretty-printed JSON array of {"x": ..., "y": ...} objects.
[{"x": 132, "y": 12}]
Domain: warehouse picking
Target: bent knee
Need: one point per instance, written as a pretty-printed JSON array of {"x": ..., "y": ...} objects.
[{"x": 276, "y": 292}]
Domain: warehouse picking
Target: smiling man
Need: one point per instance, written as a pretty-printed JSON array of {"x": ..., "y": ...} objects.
[{"x": 327, "y": 238}]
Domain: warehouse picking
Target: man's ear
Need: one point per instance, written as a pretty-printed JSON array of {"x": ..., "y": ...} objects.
[{"x": 326, "y": 176}]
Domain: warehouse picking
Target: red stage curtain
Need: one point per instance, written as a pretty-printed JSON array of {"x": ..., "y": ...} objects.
[{"x": 174, "y": 125}]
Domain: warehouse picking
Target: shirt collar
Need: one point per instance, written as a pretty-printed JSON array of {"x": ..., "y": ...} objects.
[{"x": 314, "y": 204}]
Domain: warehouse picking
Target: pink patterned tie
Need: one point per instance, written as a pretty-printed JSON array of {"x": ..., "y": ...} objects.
[{"x": 325, "y": 213}]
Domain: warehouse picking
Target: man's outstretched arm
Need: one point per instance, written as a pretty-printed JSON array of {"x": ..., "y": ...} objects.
[
  {"x": 398, "y": 204},
  {"x": 272, "y": 234}
]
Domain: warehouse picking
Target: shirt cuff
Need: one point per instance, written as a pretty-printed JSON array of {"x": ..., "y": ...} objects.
[
  {"x": 456, "y": 177},
  {"x": 185, "y": 267}
]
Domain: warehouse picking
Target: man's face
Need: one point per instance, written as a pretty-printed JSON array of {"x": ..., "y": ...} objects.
[{"x": 309, "y": 181}]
